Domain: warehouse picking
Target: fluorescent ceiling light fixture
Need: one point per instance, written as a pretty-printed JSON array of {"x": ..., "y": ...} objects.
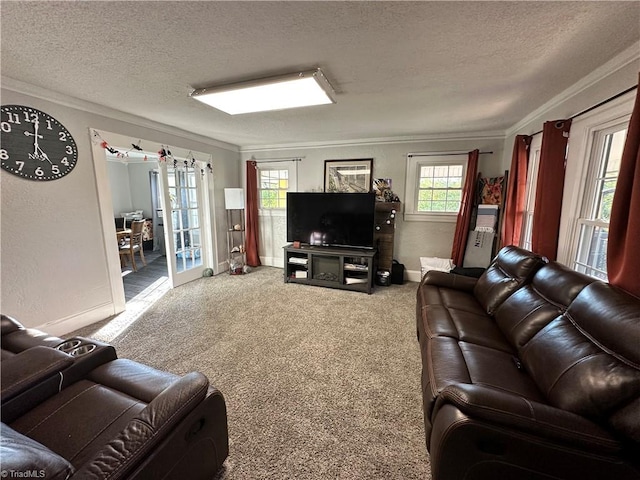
[{"x": 294, "y": 90}]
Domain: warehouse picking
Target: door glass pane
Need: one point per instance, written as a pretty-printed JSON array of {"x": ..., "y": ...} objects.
[
  {"x": 193, "y": 219},
  {"x": 192, "y": 195},
  {"x": 177, "y": 220},
  {"x": 191, "y": 178}
]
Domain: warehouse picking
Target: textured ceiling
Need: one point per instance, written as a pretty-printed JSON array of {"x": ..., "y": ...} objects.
[{"x": 399, "y": 68}]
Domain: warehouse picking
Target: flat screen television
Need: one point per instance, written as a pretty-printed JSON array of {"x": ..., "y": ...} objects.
[{"x": 331, "y": 219}]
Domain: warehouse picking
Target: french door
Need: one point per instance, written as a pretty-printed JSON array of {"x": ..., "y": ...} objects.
[{"x": 184, "y": 206}]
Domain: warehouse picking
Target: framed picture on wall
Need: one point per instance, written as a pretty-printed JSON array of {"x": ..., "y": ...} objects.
[{"x": 350, "y": 176}]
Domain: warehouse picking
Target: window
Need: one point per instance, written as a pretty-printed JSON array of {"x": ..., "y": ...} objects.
[
  {"x": 273, "y": 188},
  {"x": 434, "y": 187},
  {"x": 530, "y": 200},
  {"x": 440, "y": 188},
  {"x": 593, "y": 222}
]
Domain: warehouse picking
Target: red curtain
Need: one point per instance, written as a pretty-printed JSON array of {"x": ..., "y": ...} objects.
[
  {"x": 252, "y": 232},
  {"x": 464, "y": 215},
  {"x": 549, "y": 188},
  {"x": 623, "y": 260},
  {"x": 516, "y": 189}
]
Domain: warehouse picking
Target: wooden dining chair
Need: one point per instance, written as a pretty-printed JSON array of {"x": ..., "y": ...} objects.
[{"x": 133, "y": 244}]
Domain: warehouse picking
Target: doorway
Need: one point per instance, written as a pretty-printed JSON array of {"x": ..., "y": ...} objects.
[{"x": 173, "y": 194}]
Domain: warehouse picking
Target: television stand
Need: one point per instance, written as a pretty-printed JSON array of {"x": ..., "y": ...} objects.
[{"x": 333, "y": 267}]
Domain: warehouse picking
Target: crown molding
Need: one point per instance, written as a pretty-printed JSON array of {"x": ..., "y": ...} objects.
[
  {"x": 626, "y": 57},
  {"x": 24, "y": 88},
  {"x": 442, "y": 137}
]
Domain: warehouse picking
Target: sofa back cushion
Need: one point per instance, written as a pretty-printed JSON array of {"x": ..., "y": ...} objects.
[
  {"x": 587, "y": 361},
  {"x": 533, "y": 306},
  {"x": 512, "y": 267}
]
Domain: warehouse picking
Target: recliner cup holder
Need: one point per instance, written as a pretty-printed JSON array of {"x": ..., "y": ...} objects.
[
  {"x": 82, "y": 350},
  {"x": 68, "y": 346}
]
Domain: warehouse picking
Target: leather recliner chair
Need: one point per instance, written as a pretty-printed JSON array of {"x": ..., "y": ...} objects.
[{"x": 93, "y": 415}]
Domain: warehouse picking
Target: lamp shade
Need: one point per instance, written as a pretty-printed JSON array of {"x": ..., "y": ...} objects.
[{"x": 233, "y": 198}]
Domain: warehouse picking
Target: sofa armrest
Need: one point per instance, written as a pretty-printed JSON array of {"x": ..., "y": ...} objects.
[
  {"x": 30, "y": 367},
  {"x": 449, "y": 280},
  {"x": 116, "y": 459},
  {"x": 507, "y": 409},
  {"x": 9, "y": 324}
]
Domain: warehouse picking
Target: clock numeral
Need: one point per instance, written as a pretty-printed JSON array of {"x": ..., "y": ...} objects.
[
  {"x": 63, "y": 137},
  {"x": 39, "y": 172},
  {"x": 49, "y": 125},
  {"x": 4, "y": 155},
  {"x": 5, "y": 127},
  {"x": 30, "y": 117},
  {"x": 64, "y": 161},
  {"x": 20, "y": 165},
  {"x": 13, "y": 118},
  {"x": 55, "y": 170},
  {"x": 69, "y": 150}
]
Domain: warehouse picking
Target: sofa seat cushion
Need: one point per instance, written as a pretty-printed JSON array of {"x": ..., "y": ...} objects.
[
  {"x": 21, "y": 456},
  {"x": 450, "y": 362},
  {"x": 533, "y": 306},
  {"x": 70, "y": 423}
]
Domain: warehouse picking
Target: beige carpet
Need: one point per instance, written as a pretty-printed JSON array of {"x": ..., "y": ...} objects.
[{"x": 319, "y": 383}]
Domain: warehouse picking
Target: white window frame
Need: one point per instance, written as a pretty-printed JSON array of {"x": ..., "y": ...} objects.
[
  {"x": 586, "y": 217},
  {"x": 530, "y": 198},
  {"x": 412, "y": 183},
  {"x": 583, "y": 138}
]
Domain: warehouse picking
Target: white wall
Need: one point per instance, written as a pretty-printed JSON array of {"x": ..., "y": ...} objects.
[
  {"x": 53, "y": 255},
  {"x": 120, "y": 187},
  {"x": 140, "y": 186},
  {"x": 413, "y": 239}
]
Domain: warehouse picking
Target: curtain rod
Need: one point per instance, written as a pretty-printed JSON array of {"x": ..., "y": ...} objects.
[
  {"x": 443, "y": 154},
  {"x": 604, "y": 102}
]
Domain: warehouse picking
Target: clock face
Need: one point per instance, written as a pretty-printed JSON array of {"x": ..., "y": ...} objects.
[{"x": 34, "y": 145}]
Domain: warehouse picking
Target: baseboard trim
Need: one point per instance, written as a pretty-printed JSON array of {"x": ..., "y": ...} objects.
[
  {"x": 414, "y": 275},
  {"x": 222, "y": 267},
  {"x": 69, "y": 324},
  {"x": 272, "y": 261}
]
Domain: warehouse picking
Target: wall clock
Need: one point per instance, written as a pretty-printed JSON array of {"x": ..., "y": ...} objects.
[{"x": 34, "y": 145}]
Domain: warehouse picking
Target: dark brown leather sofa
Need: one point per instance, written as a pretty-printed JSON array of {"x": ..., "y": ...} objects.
[
  {"x": 72, "y": 410},
  {"x": 531, "y": 371}
]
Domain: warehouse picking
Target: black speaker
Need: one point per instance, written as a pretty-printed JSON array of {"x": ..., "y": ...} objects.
[{"x": 397, "y": 273}]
